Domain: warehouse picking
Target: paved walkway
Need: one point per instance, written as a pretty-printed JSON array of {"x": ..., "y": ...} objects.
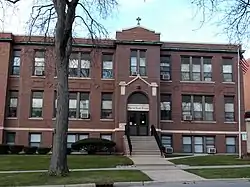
[{"x": 161, "y": 170}]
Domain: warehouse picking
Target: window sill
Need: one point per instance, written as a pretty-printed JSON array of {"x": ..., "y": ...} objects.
[
  {"x": 11, "y": 118},
  {"x": 38, "y": 76},
  {"x": 228, "y": 82},
  {"x": 166, "y": 81},
  {"x": 103, "y": 79},
  {"x": 106, "y": 119},
  {"x": 36, "y": 118},
  {"x": 133, "y": 76},
  {"x": 79, "y": 78},
  {"x": 74, "y": 119},
  {"x": 192, "y": 121},
  {"x": 202, "y": 82},
  {"x": 14, "y": 76},
  {"x": 232, "y": 122},
  {"x": 167, "y": 121}
]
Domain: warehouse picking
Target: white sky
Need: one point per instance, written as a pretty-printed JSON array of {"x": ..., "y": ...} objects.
[{"x": 174, "y": 19}]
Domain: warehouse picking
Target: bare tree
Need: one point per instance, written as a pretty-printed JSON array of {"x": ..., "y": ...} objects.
[
  {"x": 233, "y": 16},
  {"x": 57, "y": 18}
]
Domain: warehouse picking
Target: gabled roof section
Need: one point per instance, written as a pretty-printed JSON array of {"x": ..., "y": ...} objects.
[{"x": 137, "y": 33}]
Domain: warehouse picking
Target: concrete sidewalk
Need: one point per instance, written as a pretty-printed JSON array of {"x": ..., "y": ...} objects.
[{"x": 212, "y": 167}]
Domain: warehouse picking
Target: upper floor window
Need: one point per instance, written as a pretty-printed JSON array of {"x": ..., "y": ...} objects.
[
  {"x": 79, "y": 105},
  {"x": 196, "y": 68},
  {"x": 37, "y": 104},
  {"x": 39, "y": 63},
  {"x": 107, "y": 66},
  {"x": 199, "y": 108},
  {"x": 12, "y": 104},
  {"x": 166, "y": 107},
  {"x": 229, "y": 108},
  {"x": 79, "y": 65},
  {"x": 227, "y": 69},
  {"x": 165, "y": 69},
  {"x": 138, "y": 62},
  {"x": 106, "y": 111},
  {"x": 16, "y": 61}
]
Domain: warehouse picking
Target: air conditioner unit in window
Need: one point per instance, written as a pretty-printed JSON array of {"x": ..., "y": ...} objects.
[
  {"x": 211, "y": 150},
  {"x": 169, "y": 150},
  {"x": 134, "y": 73},
  {"x": 165, "y": 77},
  {"x": 84, "y": 115},
  {"x": 187, "y": 118},
  {"x": 39, "y": 72}
]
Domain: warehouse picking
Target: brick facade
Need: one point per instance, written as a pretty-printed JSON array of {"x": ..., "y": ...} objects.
[{"x": 134, "y": 38}]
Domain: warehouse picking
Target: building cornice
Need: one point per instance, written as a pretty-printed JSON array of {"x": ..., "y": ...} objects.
[
  {"x": 206, "y": 50},
  {"x": 138, "y": 42}
]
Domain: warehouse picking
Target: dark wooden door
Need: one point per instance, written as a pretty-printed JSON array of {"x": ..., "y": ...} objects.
[{"x": 138, "y": 123}]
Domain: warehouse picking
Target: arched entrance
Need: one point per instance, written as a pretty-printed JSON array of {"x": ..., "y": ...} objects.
[{"x": 138, "y": 114}]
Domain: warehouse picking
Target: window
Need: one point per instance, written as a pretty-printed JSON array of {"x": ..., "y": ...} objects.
[
  {"x": 34, "y": 139},
  {"x": 187, "y": 144},
  {"x": 166, "y": 107},
  {"x": 79, "y": 65},
  {"x": 165, "y": 69},
  {"x": 10, "y": 138},
  {"x": 72, "y": 138},
  {"x": 106, "y": 112},
  {"x": 16, "y": 61},
  {"x": 39, "y": 63},
  {"x": 12, "y": 104},
  {"x": 166, "y": 140},
  {"x": 37, "y": 104},
  {"x": 199, "y": 107},
  {"x": 227, "y": 69},
  {"x": 229, "y": 108},
  {"x": 138, "y": 62},
  {"x": 210, "y": 142},
  {"x": 230, "y": 144},
  {"x": 196, "y": 68},
  {"x": 106, "y": 136},
  {"x": 198, "y": 144},
  {"x": 107, "y": 66},
  {"x": 79, "y": 105}
]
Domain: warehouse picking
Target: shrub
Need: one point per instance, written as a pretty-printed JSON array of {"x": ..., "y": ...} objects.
[
  {"x": 93, "y": 145},
  {"x": 30, "y": 150},
  {"x": 16, "y": 149},
  {"x": 43, "y": 150},
  {"x": 4, "y": 149}
]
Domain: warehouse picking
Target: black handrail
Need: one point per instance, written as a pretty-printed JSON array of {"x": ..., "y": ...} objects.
[
  {"x": 127, "y": 133},
  {"x": 158, "y": 140}
]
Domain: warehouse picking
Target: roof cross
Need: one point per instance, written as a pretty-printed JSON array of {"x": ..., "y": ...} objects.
[{"x": 138, "y": 20}]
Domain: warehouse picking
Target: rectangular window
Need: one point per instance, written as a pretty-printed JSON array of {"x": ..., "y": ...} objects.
[
  {"x": 166, "y": 140},
  {"x": 10, "y": 138},
  {"x": 198, "y": 144},
  {"x": 210, "y": 142},
  {"x": 166, "y": 107},
  {"x": 227, "y": 69},
  {"x": 106, "y": 136},
  {"x": 79, "y": 105},
  {"x": 196, "y": 68},
  {"x": 106, "y": 111},
  {"x": 138, "y": 62},
  {"x": 12, "y": 104},
  {"x": 165, "y": 68},
  {"x": 16, "y": 62},
  {"x": 142, "y": 63},
  {"x": 107, "y": 66},
  {"x": 187, "y": 144},
  {"x": 229, "y": 108},
  {"x": 72, "y": 138},
  {"x": 79, "y": 65},
  {"x": 39, "y": 63},
  {"x": 200, "y": 108},
  {"x": 34, "y": 139},
  {"x": 37, "y": 104},
  {"x": 230, "y": 144}
]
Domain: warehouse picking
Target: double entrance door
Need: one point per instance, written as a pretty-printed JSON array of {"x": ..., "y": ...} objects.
[{"x": 138, "y": 123}]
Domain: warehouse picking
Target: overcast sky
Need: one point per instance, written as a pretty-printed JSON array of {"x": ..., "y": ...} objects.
[{"x": 174, "y": 19}]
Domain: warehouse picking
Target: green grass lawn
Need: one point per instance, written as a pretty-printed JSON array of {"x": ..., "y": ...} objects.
[
  {"x": 40, "y": 162},
  {"x": 222, "y": 173},
  {"x": 28, "y": 179},
  {"x": 211, "y": 160}
]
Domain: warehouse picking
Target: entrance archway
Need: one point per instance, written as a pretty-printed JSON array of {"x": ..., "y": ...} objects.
[{"x": 138, "y": 114}]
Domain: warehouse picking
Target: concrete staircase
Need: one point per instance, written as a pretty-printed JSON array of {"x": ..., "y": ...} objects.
[{"x": 142, "y": 145}]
